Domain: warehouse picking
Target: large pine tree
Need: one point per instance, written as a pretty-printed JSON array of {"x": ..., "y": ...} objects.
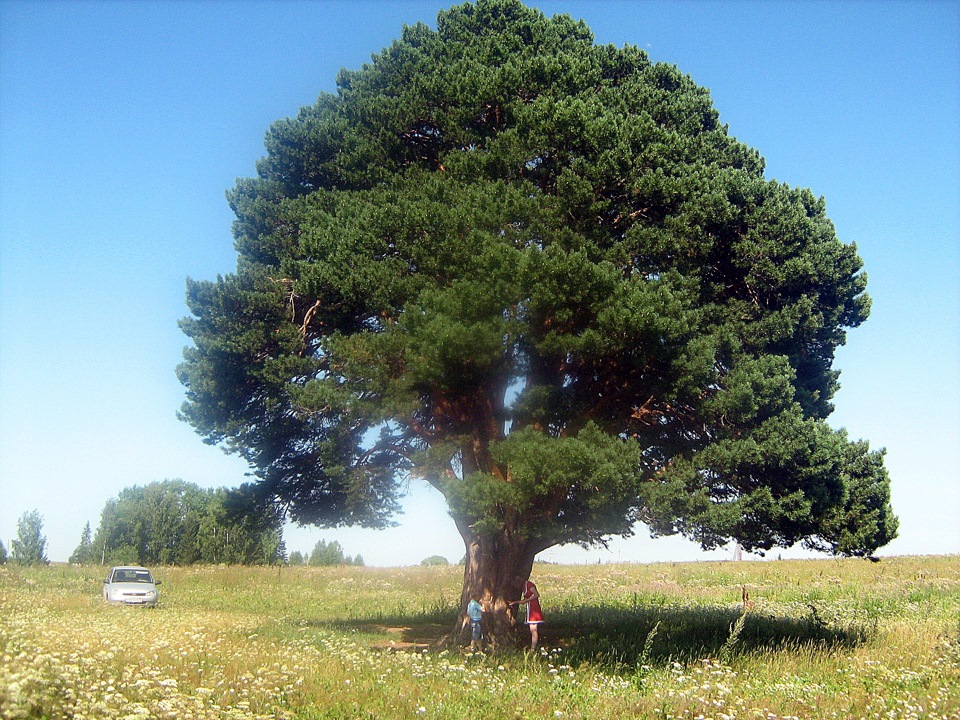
[{"x": 540, "y": 275}]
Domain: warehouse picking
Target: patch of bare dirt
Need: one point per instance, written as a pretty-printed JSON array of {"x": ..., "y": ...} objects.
[{"x": 414, "y": 637}]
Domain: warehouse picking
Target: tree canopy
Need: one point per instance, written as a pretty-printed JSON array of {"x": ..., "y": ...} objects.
[
  {"x": 540, "y": 274},
  {"x": 85, "y": 553},
  {"x": 30, "y": 547},
  {"x": 178, "y": 523},
  {"x": 326, "y": 554}
]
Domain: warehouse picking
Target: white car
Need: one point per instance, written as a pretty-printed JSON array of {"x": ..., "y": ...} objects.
[{"x": 131, "y": 585}]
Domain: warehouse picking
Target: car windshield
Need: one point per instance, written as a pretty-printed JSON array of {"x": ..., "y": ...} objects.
[{"x": 141, "y": 576}]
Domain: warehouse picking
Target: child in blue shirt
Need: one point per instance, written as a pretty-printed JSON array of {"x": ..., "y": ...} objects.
[{"x": 475, "y": 613}]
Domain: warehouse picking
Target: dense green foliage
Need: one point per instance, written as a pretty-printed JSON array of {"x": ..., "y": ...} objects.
[
  {"x": 177, "y": 523},
  {"x": 326, "y": 554},
  {"x": 30, "y": 547},
  {"x": 85, "y": 553},
  {"x": 541, "y": 275}
]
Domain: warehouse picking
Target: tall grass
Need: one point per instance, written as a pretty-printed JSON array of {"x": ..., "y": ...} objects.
[{"x": 817, "y": 639}]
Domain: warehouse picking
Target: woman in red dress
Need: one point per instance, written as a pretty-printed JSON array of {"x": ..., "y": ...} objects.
[{"x": 531, "y": 598}]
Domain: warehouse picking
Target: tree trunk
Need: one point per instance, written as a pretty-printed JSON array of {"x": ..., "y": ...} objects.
[
  {"x": 495, "y": 571},
  {"x": 497, "y": 563}
]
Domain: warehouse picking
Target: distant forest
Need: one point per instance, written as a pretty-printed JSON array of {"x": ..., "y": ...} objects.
[{"x": 178, "y": 523}]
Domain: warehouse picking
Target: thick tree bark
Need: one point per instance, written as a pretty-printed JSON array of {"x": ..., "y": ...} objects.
[{"x": 495, "y": 570}]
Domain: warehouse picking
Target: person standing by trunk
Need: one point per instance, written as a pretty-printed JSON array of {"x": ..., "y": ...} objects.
[
  {"x": 475, "y": 613},
  {"x": 531, "y": 598}
]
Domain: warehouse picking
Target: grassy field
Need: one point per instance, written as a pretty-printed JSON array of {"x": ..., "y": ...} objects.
[{"x": 816, "y": 639}]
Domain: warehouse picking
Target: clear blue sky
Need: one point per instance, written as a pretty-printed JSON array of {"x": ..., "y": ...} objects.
[{"x": 122, "y": 124}]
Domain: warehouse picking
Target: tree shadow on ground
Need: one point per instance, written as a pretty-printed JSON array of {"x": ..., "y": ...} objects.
[
  {"x": 618, "y": 637},
  {"x": 622, "y": 638}
]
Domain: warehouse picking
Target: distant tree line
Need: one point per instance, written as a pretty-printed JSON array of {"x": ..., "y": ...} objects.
[
  {"x": 325, "y": 554},
  {"x": 178, "y": 523}
]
